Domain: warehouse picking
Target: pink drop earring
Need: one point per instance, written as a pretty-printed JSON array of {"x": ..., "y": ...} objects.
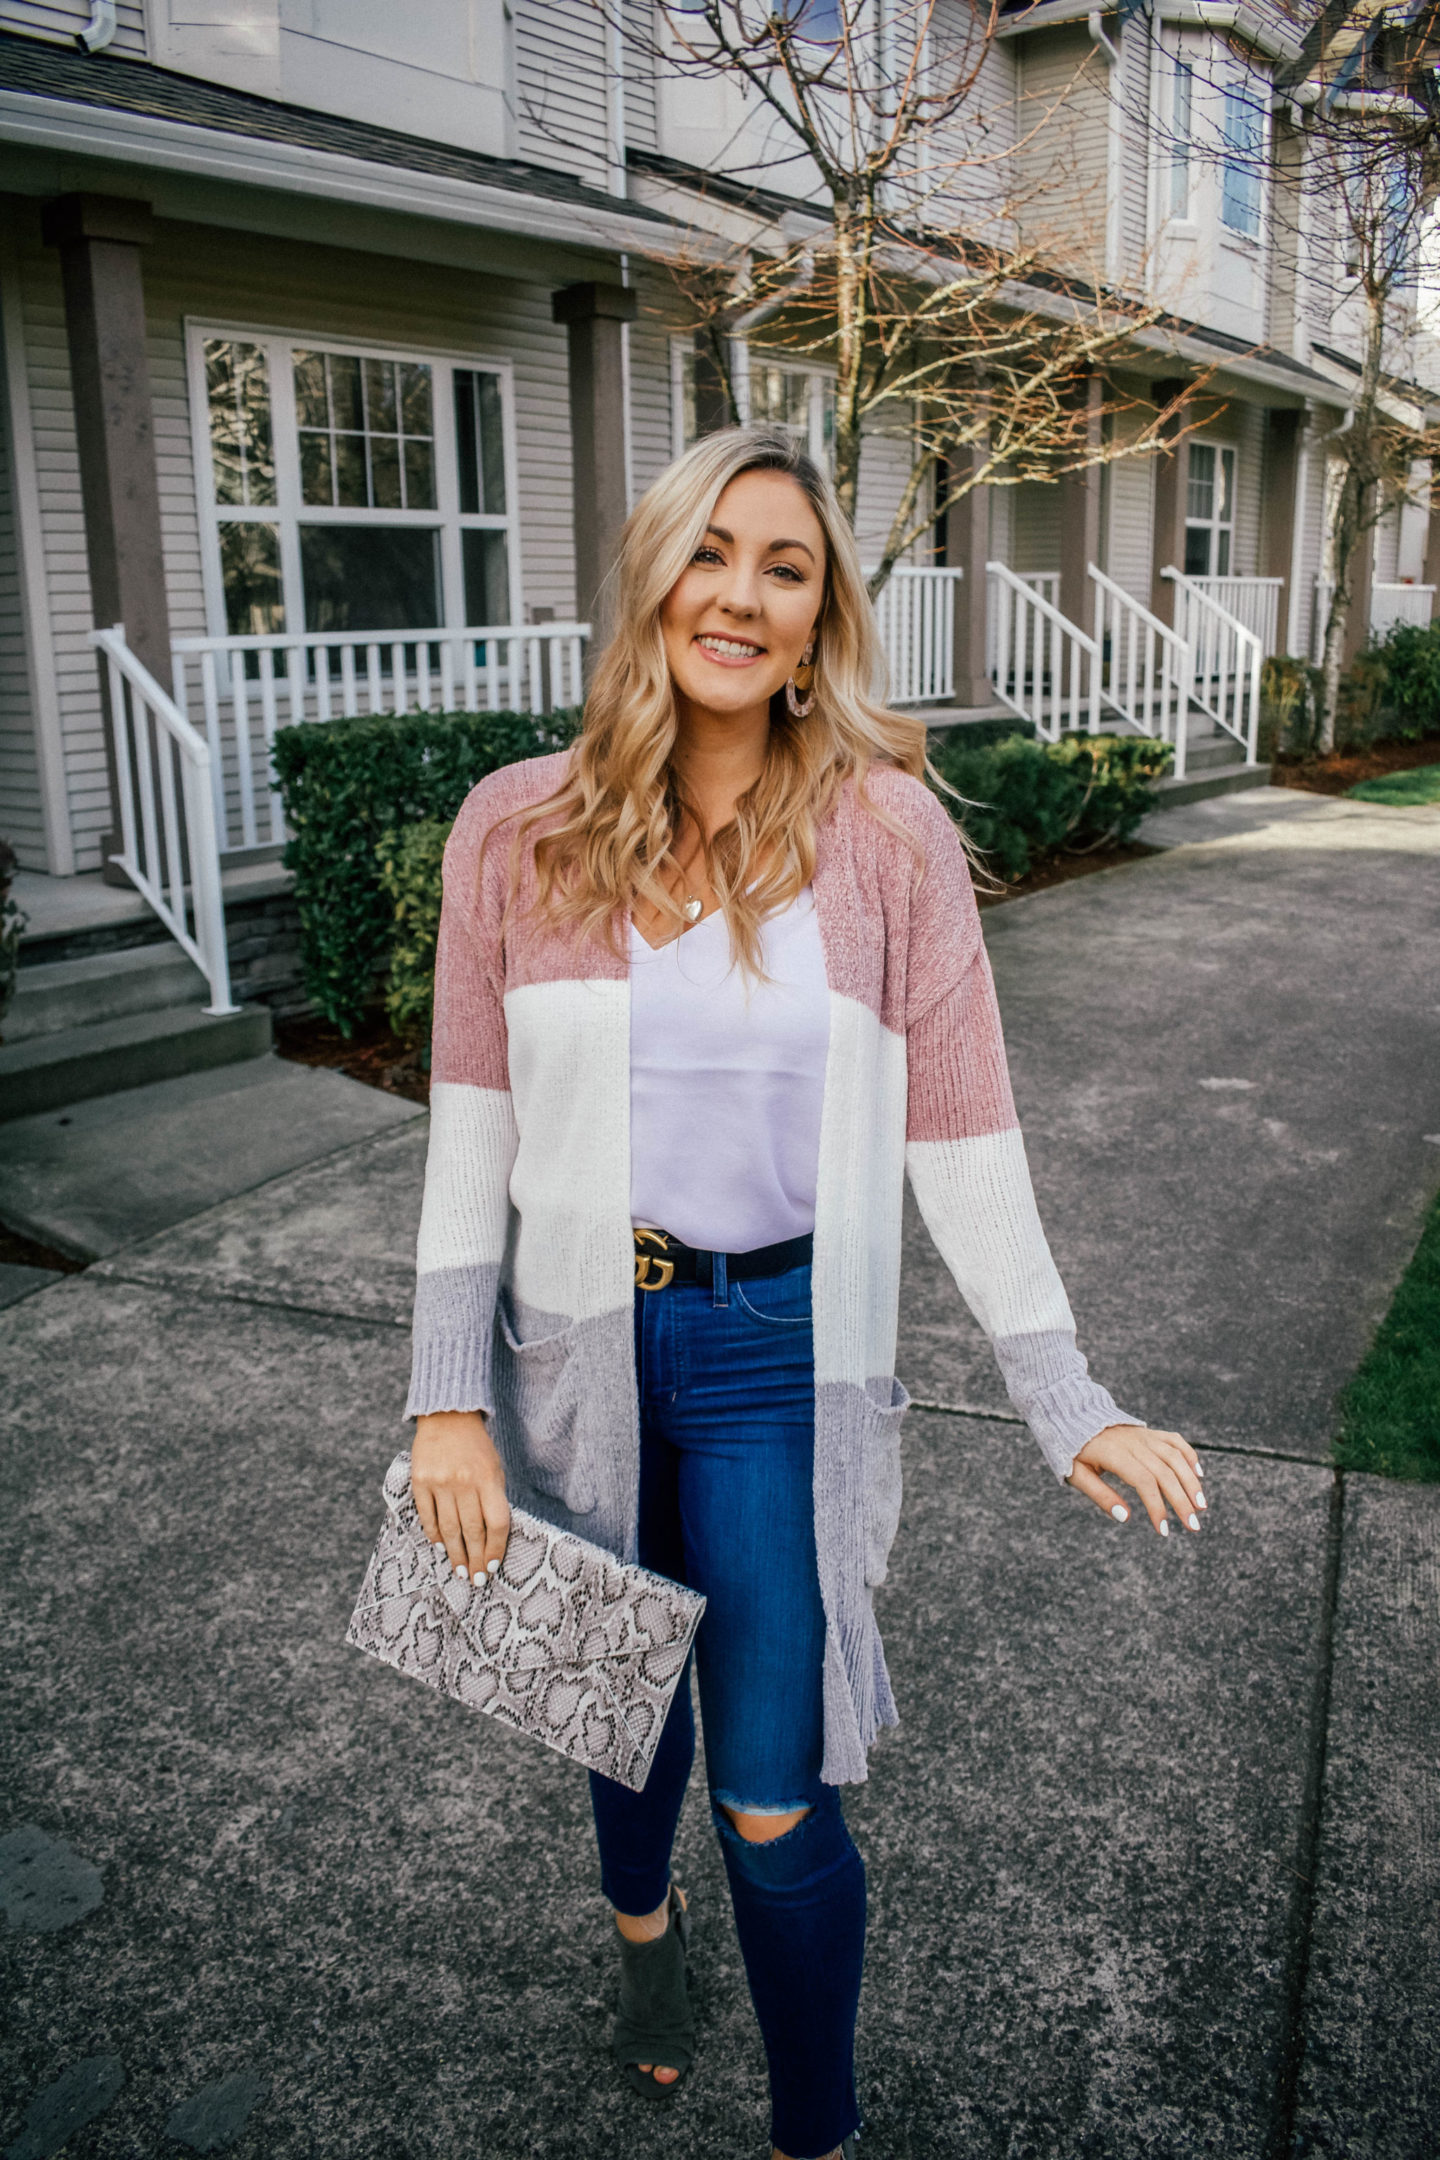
[{"x": 801, "y": 703}]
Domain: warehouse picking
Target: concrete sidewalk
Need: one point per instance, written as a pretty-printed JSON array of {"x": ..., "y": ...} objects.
[{"x": 1153, "y": 1855}]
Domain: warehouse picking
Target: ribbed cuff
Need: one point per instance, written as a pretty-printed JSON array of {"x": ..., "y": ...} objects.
[
  {"x": 452, "y": 1375},
  {"x": 1067, "y": 1415}
]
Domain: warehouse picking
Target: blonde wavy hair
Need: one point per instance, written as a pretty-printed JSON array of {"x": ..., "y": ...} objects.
[{"x": 614, "y": 819}]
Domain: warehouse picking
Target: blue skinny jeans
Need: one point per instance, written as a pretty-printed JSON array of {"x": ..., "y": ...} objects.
[{"x": 727, "y": 1425}]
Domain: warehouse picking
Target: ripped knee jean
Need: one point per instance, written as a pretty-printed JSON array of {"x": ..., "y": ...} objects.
[{"x": 727, "y": 1402}]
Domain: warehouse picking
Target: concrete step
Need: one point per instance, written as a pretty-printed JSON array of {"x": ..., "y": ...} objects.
[
  {"x": 47, "y": 1071},
  {"x": 1196, "y": 787},
  {"x": 61, "y": 994},
  {"x": 1210, "y": 753}
]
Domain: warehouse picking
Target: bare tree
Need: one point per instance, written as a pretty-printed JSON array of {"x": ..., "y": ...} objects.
[{"x": 947, "y": 283}]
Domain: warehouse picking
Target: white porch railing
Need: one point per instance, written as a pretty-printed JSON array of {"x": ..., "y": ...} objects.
[
  {"x": 1225, "y": 660},
  {"x": 1044, "y": 582},
  {"x": 242, "y": 689},
  {"x": 163, "y": 769},
  {"x": 1391, "y": 604},
  {"x": 1044, "y": 667},
  {"x": 915, "y": 613},
  {"x": 1253, "y": 601},
  {"x": 1145, "y": 667}
]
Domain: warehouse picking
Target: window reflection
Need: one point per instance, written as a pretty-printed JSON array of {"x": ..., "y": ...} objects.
[{"x": 366, "y": 432}]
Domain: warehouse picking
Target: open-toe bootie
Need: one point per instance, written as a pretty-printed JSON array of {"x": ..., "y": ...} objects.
[{"x": 655, "y": 2023}]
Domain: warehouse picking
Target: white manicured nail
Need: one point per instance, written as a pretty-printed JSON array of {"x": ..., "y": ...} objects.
[
  {"x": 462, "y": 1574},
  {"x": 1194, "y": 1521},
  {"x": 492, "y": 1567},
  {"x": 1120, "y": 1514},
  {"x": 1165, "y": 1527},
  {"x": 1200, "y": 1500}
]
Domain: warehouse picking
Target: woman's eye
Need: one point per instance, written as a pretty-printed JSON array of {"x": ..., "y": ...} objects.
[
  {"x": 789, "y": 573},
  {"x": 706, "y": 555}
]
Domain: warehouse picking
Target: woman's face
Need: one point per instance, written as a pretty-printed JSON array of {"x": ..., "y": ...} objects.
[{"x": 737, "y": 623}]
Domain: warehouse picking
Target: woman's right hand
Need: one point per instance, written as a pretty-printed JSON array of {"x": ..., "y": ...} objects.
[{"x": 458, "y": 1485}]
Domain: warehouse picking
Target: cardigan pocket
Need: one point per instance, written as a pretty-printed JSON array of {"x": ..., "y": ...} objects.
[
  {"x": 880, "y": 1462},
  {"x": 540, "y": 1384}
]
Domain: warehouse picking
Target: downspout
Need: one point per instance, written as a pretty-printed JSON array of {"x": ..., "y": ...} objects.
[
  {"x": 1096, "y": 28},
  {"x": 100, "y": 30}
]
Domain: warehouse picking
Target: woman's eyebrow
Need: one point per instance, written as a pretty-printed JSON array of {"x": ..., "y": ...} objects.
[{"x": 775, "y": 547}]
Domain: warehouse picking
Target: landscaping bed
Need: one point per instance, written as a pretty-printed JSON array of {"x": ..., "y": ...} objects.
[
  {"x": 1348, "y": 768},
  {"x": 1390, "y": 1412}
]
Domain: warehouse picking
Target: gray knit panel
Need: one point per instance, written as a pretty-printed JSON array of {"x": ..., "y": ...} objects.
[
  {"x": 857, "y": 1509},
  {"x": 566, "y": 1420},
  {"x": 1048, "y": 1380},
  {"x": 450, "y": 1360}
]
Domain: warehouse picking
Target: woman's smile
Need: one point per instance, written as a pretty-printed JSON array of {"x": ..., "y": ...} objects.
[{"x": 729, "y": 651}]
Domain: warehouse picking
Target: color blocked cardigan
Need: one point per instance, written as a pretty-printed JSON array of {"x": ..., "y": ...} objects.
[{"x": 526, "y": 1264}]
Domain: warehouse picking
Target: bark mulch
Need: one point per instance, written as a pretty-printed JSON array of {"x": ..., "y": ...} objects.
[{"x": 1344, "y": 769}]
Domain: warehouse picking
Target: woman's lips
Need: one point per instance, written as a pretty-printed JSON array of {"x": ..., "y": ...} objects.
[{"x": 739, "y": 654}]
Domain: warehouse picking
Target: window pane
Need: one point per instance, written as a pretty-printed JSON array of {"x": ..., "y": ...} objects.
[
  {"x": 1223, "y": 509},
  {"x": 312, "y": 401},
  {"x": 1197, "y": 551},
  {"x": 419, "y": 475},
  {"x": 238, "y": 387},
  {"x": 415, "y": 403},
  {"x": 479, "y": 442},
  {"x": 487, "y": 579},
  {"x": 250, "y": 572},
  {"x": 385, "y": 472},
  {"x": 350, "y": 491},
  {"x": 380, "y": 397},
  {"x": 370, "y": 577},
  {"x": 315, "y": 478},
  {"x": 689, "y": 417},
  {"x": 1240, "y": 188},
  {"x": 1200, "y": 493},
  {"x": 492, "y": 445},
  {"x": 345, "y": 390},
  {"x": 1180, "y": 148},
  {"x": 1222, "y": 552}
]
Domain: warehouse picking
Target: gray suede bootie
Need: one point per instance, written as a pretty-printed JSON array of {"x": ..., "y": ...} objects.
[{"x": 655, "y": 2023}]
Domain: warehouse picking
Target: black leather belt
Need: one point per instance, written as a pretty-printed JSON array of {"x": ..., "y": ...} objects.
[{"x": 661, "y": 1260}]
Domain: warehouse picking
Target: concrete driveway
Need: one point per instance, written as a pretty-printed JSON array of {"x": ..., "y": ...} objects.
[{"x": 1153, "y": 1853}]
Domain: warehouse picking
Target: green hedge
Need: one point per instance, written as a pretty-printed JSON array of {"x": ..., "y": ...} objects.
[
  {"x": 1030, "y": 799},
  {"x": 1026, "y": 800},
  {"x": 348, "y": 783},
  {"x": 1411, "y": 658}
]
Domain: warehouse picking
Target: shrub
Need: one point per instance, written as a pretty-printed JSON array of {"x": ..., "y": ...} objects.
[
  {"x": 410, "y": 864},
  {"x": 347, "y": 783},
  {"x": 1359, "y": 707},
  {"x": 1289, "y": 702},
  {"x": 1026, "y": 800},
  {"x": 12, "y": 923},
  {"x": 1411, "y": 658}
]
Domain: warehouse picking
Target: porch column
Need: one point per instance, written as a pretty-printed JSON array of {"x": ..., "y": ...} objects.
[
  {"x": 1431, "y": 572},
  {"x": 1362, "y": 588},
  {"x": 593, "y": 316},
  {"x": 1080, "y": 514},
  {"x": 1168, "y": 525},
  {"x": 1280, "y": 507},
  {"x": 967, "y": 548},
  {"x": 100, "y": 238}
]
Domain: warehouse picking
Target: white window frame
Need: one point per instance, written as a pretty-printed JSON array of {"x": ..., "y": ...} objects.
[
  {"x": 1215, "y": 525},
  {"x": 289, "y": 512},
  {"x": 1180, "y": 178},
  {"x": 741, "y": 356}
]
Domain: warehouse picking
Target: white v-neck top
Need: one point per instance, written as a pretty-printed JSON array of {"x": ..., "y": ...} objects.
[{"x": 727, "y": 1075}]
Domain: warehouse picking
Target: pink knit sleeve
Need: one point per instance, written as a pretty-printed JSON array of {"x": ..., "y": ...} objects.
[
  {"x": 966, "y": 1161},
  {"x": 466, "y": 1209}
]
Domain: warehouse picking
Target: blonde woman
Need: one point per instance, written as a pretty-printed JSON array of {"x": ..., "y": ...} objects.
[{"x": 709, "y": 985}]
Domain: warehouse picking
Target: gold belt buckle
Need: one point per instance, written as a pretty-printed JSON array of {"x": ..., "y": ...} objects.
[{"x": 664, "y": 1270}]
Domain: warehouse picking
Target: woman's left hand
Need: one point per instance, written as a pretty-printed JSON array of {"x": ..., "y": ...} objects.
[{"x": 1160, "y": 1468}]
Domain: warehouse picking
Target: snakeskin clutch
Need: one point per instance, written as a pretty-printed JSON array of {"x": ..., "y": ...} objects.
[{"x": 565, "y": 1642}]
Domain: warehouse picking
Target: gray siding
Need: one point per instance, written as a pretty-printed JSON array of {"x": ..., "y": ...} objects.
[
  {"x": 561, "y": 74},
  {"x": 641, "y": 120},
  {"x": 1062, "y": 164},
  {"x": 58, "y": 20}
]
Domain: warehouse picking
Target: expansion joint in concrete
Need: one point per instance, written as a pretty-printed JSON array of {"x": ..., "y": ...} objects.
[
  {"x": 1299, "y": 1933},
  {"x": 201, "y": 1293}
]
